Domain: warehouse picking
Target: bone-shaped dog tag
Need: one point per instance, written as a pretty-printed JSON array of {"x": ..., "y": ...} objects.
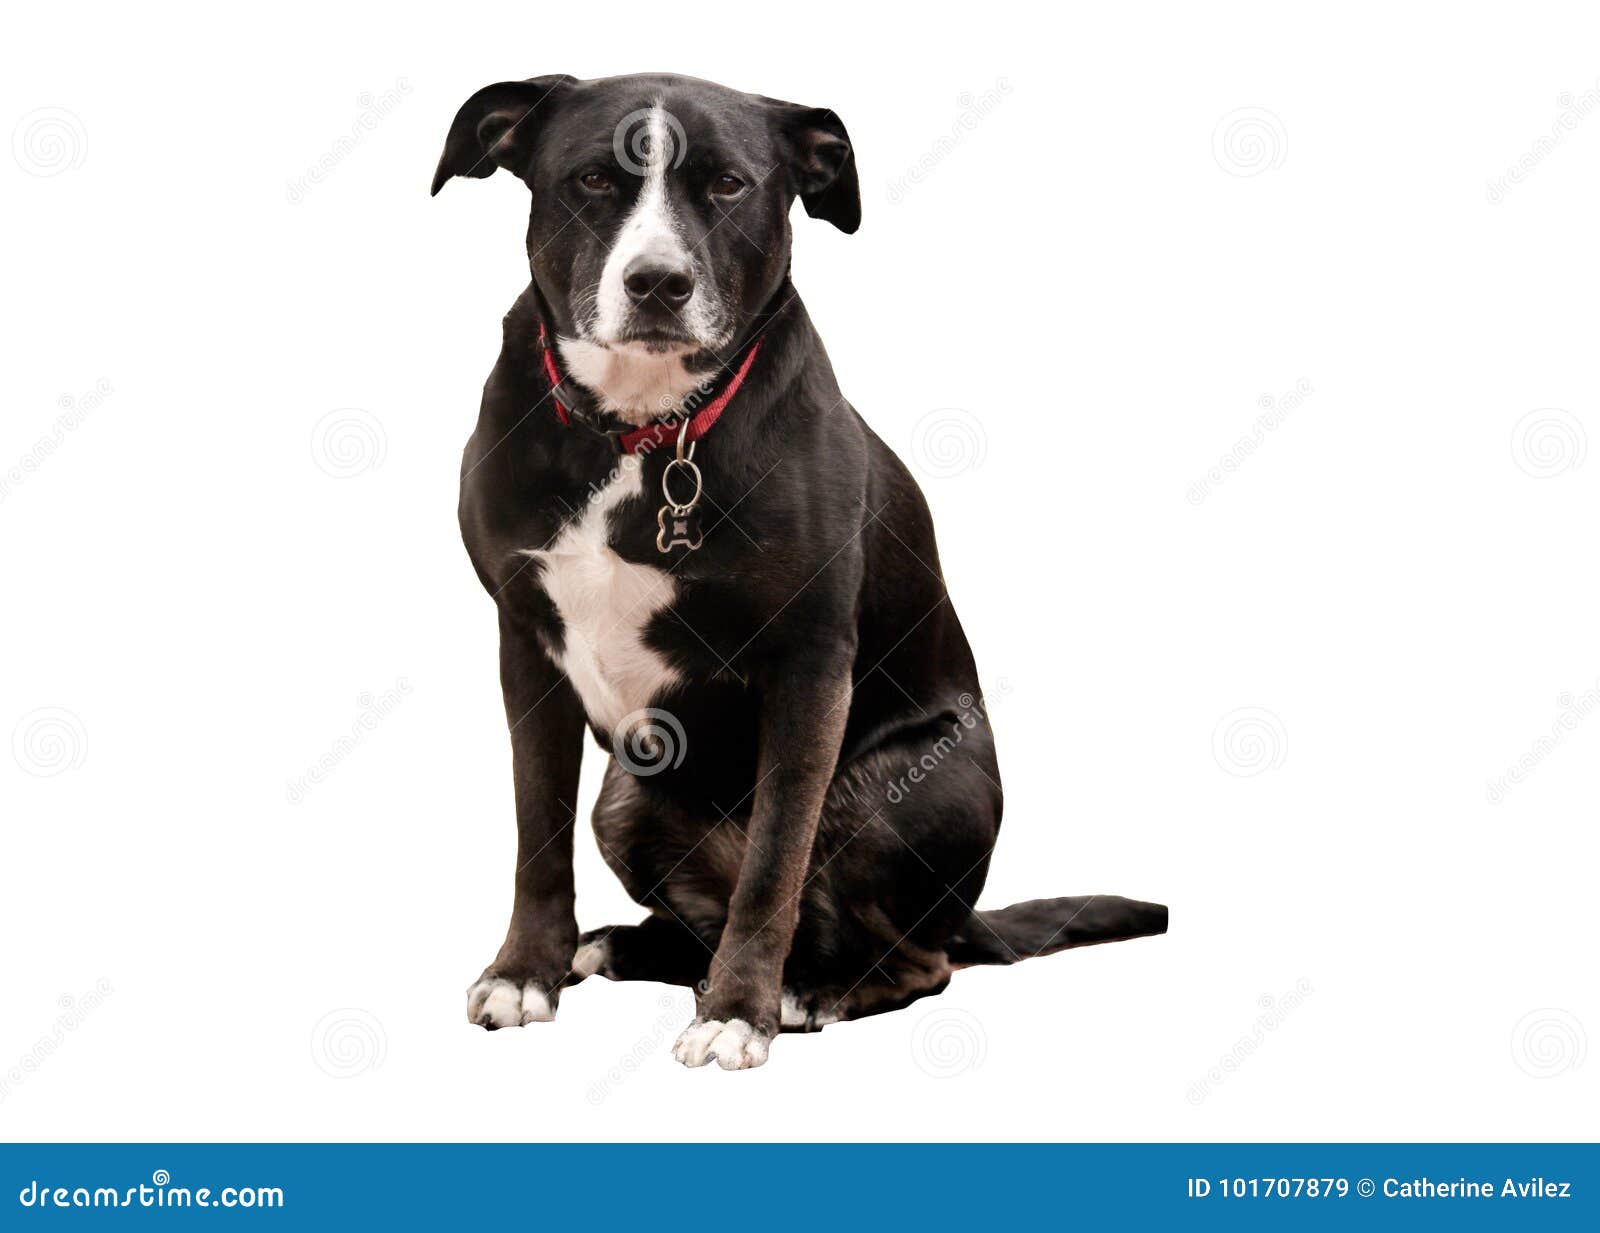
[
  {"x": 677, "y": 528},
  {"x": 678, "y": 522}
]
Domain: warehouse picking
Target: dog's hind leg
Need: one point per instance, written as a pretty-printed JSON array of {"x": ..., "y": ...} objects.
[
  {"x": 657, "y": 948},
  {"x": 894, "y": 875},
  {"x": 680, "y": 868},
  {"x": 903, "y": 973}
]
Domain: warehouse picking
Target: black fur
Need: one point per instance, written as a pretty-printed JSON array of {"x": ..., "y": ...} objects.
[
  {"x": 820, "y": 654},
  {"x": 1044, "y": 926}
]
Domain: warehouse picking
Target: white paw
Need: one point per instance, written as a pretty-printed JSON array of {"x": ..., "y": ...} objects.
[
  {"x": 735, "y": 1044},
  {"x": 791, "y": 1014},
  {"x": 796, "y": 1014},
  {"x": 496, "y": 1003},
  {"x": 590, "y": 958}
]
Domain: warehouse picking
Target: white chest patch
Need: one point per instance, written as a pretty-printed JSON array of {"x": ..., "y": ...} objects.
[
  {"x": 637, "y": 385},
  {"x": 605, "y": 604}
]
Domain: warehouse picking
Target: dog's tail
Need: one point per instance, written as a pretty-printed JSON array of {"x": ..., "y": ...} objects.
[{"x": 1044, "y": 926}]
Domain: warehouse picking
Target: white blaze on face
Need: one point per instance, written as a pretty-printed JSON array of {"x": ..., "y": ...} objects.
[
  {"x": 649, "y": 231},
  {"x": 634, "y": 381}
]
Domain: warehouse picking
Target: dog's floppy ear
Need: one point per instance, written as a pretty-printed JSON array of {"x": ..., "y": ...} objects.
[
  {"x": 822, "y": 164},
  {"x": 497, "y": 127}
]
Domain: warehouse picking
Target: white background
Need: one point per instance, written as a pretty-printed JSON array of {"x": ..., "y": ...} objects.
[{"x": 1078, "y": 306}]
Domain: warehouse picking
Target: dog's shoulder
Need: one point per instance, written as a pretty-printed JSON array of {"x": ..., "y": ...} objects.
[{"x": 518, "y": 478}]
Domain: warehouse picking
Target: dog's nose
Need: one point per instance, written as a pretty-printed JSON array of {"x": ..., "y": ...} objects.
[{"x": 648, "y": 277}]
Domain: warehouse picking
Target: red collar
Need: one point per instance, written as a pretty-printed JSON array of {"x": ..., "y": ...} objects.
[{"x": 650, "y": 436}]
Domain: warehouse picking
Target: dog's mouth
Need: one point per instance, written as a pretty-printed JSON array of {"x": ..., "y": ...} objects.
[{"x": 655, "y": 340}]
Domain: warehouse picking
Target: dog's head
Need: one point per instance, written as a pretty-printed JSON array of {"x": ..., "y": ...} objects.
[{"x": 660, "y": 219}]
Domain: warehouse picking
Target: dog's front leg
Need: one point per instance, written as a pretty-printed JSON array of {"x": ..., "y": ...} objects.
[
  {"x": 523, "y": 983},
  {"x": 802, "y": 722}
]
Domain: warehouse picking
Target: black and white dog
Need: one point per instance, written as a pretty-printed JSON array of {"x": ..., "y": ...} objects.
[{"x": 699, "y": 550}]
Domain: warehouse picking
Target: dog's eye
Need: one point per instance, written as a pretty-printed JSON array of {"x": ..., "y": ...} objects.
[
  {"x": 595, "y": 181},
  {"x": 727, "y": 186}
]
